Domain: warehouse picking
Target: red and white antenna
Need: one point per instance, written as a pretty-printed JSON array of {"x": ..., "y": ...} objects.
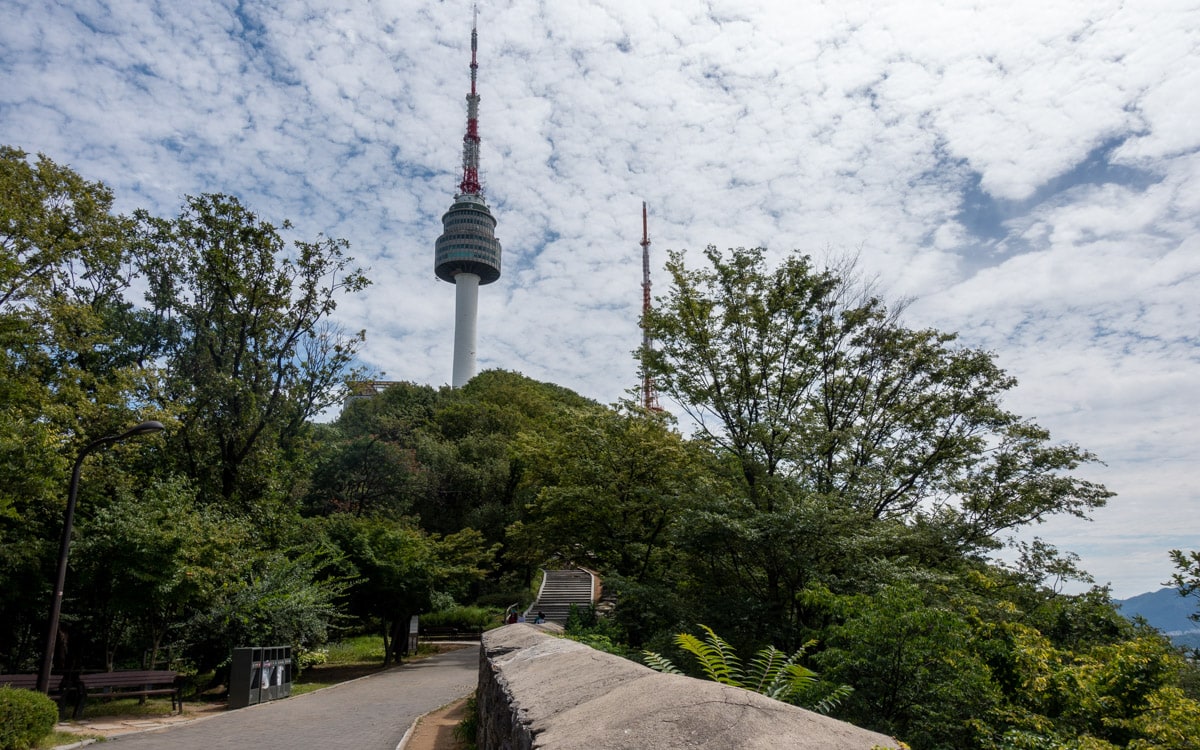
[
  {"x": 649, "y": 393},
  {"x": 470, "y": 180}
]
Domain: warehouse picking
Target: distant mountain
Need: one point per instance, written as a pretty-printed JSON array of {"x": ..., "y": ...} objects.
[{"x": 1166, "y": 610}]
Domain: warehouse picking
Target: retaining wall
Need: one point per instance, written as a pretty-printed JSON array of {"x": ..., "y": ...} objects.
[{"x": 539, "y": 691}]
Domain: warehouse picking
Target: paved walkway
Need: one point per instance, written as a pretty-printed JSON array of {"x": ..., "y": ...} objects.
[{"x": 371, "y": 713}]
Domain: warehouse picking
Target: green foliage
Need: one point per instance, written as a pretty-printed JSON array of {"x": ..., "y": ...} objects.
[
  {"x": 601, "y": 633},
  {"x": 277, "y": 600},
  {"x": 466, "y": 730},
  {"x": 580, "y": 619},
  {"x": 1187, "y": 575},
  {"x": 70, "y": 349},
  {"x": 911, "y": 660},
  {"x": 358, "y": 649},
  {"x": 605, "y": 488},
  {"x": 308, "y": 657},
  {"x": 149, "y": 561},
  {"x": 503, "y": 599},
  {"x": 398, "y": 568},
  {"x": 243, "y": 325},
  {"x": 26, "y": 716},
  {"x": 464, "y": 617},
  {"x": 771, "y": 672}
]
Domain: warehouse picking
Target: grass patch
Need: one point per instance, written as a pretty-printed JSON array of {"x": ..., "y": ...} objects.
[
  {"x": 57, "y": 738},
  {"x": 347, "y": 659},
  {"x": 356, "y": 650}
]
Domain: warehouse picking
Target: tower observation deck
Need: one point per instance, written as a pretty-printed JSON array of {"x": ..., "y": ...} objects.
[
  {"x": 468, "y": 253},
  {"x": 468, "y": 243}
]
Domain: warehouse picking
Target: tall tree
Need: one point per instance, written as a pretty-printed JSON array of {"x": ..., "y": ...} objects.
[
  {"x": 70, "y": 347},
  {"x": 250, "y": 352},
  {"x": 806, "y": 380},
  {"x": 838, "y": 423}
]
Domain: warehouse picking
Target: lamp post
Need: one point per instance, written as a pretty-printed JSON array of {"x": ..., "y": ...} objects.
[{"x": 43, "y": 683}]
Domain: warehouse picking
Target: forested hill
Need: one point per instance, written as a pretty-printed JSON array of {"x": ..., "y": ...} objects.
[{"x": 1166, "y": 610}]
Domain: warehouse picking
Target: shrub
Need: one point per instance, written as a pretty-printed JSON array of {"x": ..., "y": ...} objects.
[
  {"x": 502, "y": 599},
  {"x": 26, "y": 716},
  {"x": 306, "y": 658},
  {"x": 462, "y": 617}
]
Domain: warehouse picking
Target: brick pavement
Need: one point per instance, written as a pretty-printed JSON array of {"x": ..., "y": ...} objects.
[{"x": 371, "y": 713}]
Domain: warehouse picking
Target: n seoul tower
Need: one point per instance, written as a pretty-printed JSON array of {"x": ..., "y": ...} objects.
[{"x": 468, "y": 253}]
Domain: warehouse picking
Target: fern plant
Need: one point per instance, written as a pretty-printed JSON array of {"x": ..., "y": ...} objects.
[{"x": 771, "y": 672}]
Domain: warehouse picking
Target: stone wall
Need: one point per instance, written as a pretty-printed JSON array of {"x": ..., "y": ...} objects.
[{"x": 540, "y": 691}]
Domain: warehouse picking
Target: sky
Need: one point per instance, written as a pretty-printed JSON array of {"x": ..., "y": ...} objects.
[{"x": 1026, "y": 172}]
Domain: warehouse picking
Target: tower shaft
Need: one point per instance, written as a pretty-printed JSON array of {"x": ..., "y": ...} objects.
[{"x": 466, "y": 312}]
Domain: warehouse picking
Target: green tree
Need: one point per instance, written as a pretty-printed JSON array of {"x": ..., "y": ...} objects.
[
  {"x": 834, "y": 421},
  {"x": 279, "y": 597},
  {"x": 915, "y": 675},
  {"x": 146, "y": 563},
  {"x": 608, "y": 486},
  {"x": 452, "y": 449},
  {"x": 803, "y": 378},
  {"x": 367, "y": 476},
  {"x": 250, "y": 352},
  {"x": 70, "y": 354},
  {"x": 1187, "y": 575},
  {"x": 397, "y": 567}
]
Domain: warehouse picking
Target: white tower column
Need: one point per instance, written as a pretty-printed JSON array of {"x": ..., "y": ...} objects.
[{"x": 466, "y": 305}]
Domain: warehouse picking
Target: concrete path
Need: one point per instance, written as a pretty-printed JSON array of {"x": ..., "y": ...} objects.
[{"x": 371, "y": 713}]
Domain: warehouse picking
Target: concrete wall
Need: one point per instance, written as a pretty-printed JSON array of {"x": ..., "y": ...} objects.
[{"x": 539, "y": 691}]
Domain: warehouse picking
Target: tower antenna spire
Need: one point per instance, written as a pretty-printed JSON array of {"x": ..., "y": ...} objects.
[
  {"x": 470, "y": 177},
  {"x": 468, "y": 253},
  {"x": 649, "y": 392}
]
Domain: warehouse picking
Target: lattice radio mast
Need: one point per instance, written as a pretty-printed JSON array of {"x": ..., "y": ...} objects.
[{"x": 649, "y": 393}]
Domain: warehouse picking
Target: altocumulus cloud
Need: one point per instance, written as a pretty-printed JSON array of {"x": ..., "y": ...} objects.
[{"x": 1027, "y": 171}]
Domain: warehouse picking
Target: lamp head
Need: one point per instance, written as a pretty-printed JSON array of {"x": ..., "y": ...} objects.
[{"x": 143, "y": 428}]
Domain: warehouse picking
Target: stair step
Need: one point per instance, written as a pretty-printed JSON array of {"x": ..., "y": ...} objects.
[{"x": 560, "y": 590}]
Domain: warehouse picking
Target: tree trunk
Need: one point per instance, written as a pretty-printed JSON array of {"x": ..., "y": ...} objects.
[{"x": 387, "y": 649}]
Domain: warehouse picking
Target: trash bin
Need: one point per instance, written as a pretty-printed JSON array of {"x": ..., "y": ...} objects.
[{"x": 259, "y": 674}]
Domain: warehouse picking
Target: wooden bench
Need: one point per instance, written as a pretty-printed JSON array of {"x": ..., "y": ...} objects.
[
  {"x": 129, "y": 684},
  {"x": 29, "y": 682},
  {"x": 59, "y": 686}
]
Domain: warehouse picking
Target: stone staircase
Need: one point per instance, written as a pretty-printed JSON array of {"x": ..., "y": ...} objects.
[{"x": 560, "y": 589}]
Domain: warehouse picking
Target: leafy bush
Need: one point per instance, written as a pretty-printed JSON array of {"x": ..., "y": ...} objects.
[
  {"x": 462, "y": 617},
  {"x": 440, "y": 600},
  {"x": 502, "y": 599},
  {"x": 580, "y": 620},
  {"x": 306, "y": 658},
  {"x": 26, "y": 716}
]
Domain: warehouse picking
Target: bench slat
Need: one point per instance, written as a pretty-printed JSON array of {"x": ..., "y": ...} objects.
[{"x": 124, "y": 679}]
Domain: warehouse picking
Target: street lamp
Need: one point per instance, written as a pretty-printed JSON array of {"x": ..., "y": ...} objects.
[{"x": 43, "y": 683}]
